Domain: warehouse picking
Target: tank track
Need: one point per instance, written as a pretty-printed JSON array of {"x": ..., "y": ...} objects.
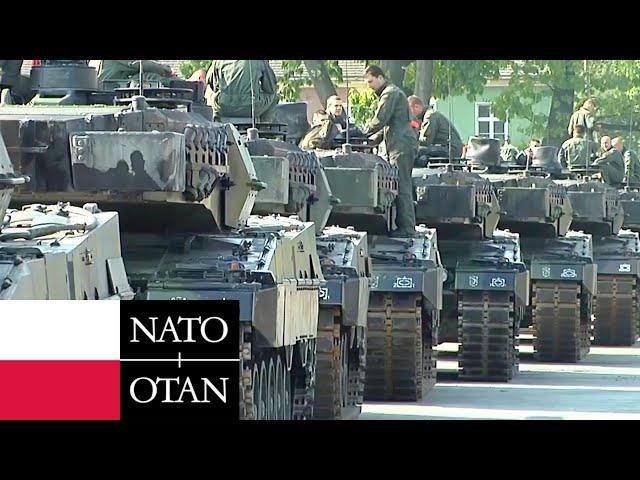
[
  {"x": 332, "y": 367},
  {"x": 616, "y": 310},
  {"x": 357, "y": 375},
  {"x": 487, "y": 329},
  {"x": 304, "y": 379},
  {"x": 396, "y": 353},
  {"x": 266, "y": 384},
  {"x": 562, "y": 321}
]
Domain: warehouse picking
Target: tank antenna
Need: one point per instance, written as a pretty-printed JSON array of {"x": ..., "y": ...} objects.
[
  {"x": 450, "y": 109},
  {"x": 253, "y": 98},
  {"x": 346, "y": 114},
  {"x": 140, "y": 79}
]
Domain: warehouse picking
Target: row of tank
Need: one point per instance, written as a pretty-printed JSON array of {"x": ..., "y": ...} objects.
[{"x": 329, "y": 315}]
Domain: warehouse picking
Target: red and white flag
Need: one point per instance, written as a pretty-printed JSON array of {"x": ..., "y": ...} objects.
[{"x": 59, "y": 360}]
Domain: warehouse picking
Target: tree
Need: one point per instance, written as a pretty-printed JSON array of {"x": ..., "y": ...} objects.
[
  {"x": 321, "y": 78},
  {"x": 394, "y": 69},
  {"x": 188, "y": 67},
  {"x": 424, "y": 79},
  {"x": 321, "y": 74}
]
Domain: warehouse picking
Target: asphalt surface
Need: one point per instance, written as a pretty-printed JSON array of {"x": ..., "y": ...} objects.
[{"x": 603, "y": 386}]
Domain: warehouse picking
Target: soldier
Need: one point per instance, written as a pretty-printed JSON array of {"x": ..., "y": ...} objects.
[
  {"x": 631, "y": 162},
  {"x": 435, "y": 130},
  {"x": 528, "y": 152},
  {"x": 577, "y": 152},
  {"x": 327, "y": 124},
  {"x": 392, "y": 118},
  {"x": 112, "y": 71},
  {"x": 610, "y": 163},
  {"x": 417, "y": 109},
  {"x": 233, "y": 83},
  {"x": 584, "y": 116},
  {"x": 508, "y": 152}
]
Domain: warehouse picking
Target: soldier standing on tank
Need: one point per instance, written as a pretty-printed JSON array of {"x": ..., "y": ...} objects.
[
  {"x": 631, "y": 162},
  {"x": 584, "y": 116},
  {"x": 392, "y": 118},
  {"x": 610, "y": 162},
  {"x": 577, "y": 152},
  {"x": 234, "y": 83}
]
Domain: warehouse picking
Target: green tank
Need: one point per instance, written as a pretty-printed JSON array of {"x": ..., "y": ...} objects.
[
  {"x": 298, "y": 185},
  {"x": 57, "y": 252},
  {"x": 561, "y": 262},
  {"x": 184, "y": 187},
  {"x": 598, "y": 210},
  {"x": 407, "y": 275},
  {"x": 487, "y": 289}
]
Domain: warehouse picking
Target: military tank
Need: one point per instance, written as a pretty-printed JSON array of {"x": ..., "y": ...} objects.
[
  {"x": 407, "y": 275},
  {"x": 57, "y": 252},
  {"x": 487, "y": 289},
  {"x": 560, "y": 261},
  {"x": 298, "y": 185},
  {"x": 598, "y": 211},
  {"x": 184, "y": 187}
]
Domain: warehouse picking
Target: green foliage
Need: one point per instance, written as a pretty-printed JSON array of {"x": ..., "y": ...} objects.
[
  {"x": 188, "y": 67},
  {"x": 291, "y": 80},
  {"x": 294, "y": 77},
  {"x": 362, "y": 105}
]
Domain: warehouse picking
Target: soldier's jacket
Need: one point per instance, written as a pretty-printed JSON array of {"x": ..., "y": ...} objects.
[
  {"x": 435, "y": 131},
  {"x": 392, "y": 117},
  {"x": 582, "y": 117},
  {"x": 231, "y": 80},
  {"x": 577, "y": 153},
  {"x": 111, "y": 70},
  {"x": 509, "y": 153},
  {"x": 631, "y": 166},
  {"x": 611, "y": 164},
  {"x": 321, "y": 135}
]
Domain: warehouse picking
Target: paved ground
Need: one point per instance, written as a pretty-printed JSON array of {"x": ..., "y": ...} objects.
[{"x": 605, "y": 385}]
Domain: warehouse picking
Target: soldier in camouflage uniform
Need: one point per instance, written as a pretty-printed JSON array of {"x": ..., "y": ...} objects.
[
  {"x": 577, "y": 152},
  {"x": 231, "y": 83},
  {"x": 392, "y": 118},
  {"x": 631, "y": 162},
  {"x": 610, "y": 163},
  {"x": 584, "y": 116},
  {"x": 435, "y": 130},
  {"x": 112, "y": 71}
]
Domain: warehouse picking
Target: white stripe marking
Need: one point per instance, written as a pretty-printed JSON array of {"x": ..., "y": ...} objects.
[{"x": 59, "y": 330}]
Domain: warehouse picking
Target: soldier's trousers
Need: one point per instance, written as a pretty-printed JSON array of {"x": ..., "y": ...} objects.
[{"x": 406, "y": 214}]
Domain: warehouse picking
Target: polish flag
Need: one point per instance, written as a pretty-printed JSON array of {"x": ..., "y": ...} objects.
[{"x": 59, "y": 360}]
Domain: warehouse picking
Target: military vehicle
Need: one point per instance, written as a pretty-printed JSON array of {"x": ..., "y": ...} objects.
[
  {"x": 184, "y": 187},
  {"x": 297, "y": 185},
  {"x": 57, "y": 252},
  {"x": 407, "y": 276},
  {"x": 487, "y": 289},
  {"x": 560, "y": 261},
  {"x": 597, "y": 210}
]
